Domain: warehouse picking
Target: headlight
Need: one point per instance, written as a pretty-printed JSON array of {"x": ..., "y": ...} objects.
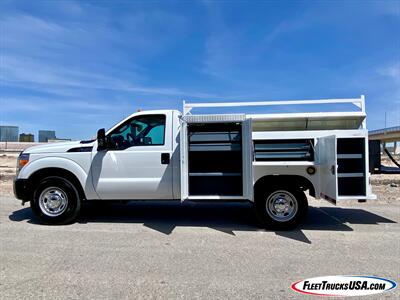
[{"x": 23, "y": 159}]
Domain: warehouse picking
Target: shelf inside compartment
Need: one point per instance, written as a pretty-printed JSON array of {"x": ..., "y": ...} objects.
[
  {"x": 344, "y": 175},
  {"x": 266, "y": 156},
  {"x": 349, "y": 156},
  {"x": 215, "y": 174},
  {"x": 207, "y": 136},
  {"x": 216, "y": 185},
  {"x": 214, "y": 132},
  {"x": 351, "y": 186},
  {"x": 215, "y": 147}
]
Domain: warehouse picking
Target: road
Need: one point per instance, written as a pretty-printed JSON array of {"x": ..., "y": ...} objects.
[{"x": 206, "y": 251}]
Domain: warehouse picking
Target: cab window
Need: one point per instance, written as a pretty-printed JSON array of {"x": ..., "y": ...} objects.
[{"x": 147, "y": 130}]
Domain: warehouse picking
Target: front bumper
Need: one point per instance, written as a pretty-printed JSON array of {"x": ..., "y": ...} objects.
[{"x": 22, "y": 189}]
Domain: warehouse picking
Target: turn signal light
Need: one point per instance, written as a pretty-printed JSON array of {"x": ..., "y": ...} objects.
[{"x": 23, "y": 159}]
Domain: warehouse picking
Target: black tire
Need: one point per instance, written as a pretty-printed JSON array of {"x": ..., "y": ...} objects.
[
  {"x": 53, "y": 191},
  {"x": 270, "y": 217}
]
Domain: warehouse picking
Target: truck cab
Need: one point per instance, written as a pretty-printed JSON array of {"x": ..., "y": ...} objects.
[{"x": 140, "y": 160}]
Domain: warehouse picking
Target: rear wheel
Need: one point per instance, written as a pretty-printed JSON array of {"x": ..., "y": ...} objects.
[
  {"x": 280, "y": 207},
  {"x": 56, "y": 201}
]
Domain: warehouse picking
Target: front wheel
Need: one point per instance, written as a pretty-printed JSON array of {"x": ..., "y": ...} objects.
[
  {"x": 56, "y": 201},
  {"x": 281, "y": 208}
]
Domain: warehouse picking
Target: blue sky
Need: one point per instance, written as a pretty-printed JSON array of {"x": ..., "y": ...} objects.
[{"x": 75, "y": 67}]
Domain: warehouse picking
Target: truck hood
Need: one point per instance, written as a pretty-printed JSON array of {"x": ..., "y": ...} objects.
[{"x": 58, "y": 147}]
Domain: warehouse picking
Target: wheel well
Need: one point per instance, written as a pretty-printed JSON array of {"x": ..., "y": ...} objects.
[
  {"x": 36, "y": 177},
  {"x": 291, "y": 180}
]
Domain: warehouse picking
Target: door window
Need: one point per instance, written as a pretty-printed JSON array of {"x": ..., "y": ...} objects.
[{"x": 147, "y": 130}]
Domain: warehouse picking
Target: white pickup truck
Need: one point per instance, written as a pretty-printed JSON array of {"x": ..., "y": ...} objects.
[{"x": 269, "y": 159}]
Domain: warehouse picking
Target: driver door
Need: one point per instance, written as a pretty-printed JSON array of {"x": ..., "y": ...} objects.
[{"x": 137, "y": 163}]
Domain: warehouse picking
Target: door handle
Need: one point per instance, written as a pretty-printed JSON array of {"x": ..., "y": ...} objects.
[
  {"x": 333, "y": 170},
  {"x": 165, "y": 159}
]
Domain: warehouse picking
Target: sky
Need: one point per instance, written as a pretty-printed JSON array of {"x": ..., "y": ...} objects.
[{"x": 77, "y": 66}]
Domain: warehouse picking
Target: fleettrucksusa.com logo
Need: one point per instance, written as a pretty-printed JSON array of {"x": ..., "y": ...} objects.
[{"x": 345, "y": 285}]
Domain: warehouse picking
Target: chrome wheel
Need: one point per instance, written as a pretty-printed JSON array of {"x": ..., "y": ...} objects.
[
  {"x": 53, "y": 201},
  {"x": 281, "y": 206}
]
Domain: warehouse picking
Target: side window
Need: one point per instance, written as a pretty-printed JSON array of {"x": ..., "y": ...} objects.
[
  {"x": 157, "y": 134},
  {"x": 147, "y": 130}
]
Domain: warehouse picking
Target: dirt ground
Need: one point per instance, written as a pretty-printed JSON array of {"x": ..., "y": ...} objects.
[
  {"x": 386, "y": 161},
  {"x": 8, "y": 163}
]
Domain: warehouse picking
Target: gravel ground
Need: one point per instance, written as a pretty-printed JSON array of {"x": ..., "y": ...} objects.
[{"x": 168, "y": 250}]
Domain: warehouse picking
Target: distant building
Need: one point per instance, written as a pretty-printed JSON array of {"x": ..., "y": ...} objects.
[
  {"x": 46, "y": 135},
  {"x": 9, "y": 133},
  {"x": 26, "y": 137}
]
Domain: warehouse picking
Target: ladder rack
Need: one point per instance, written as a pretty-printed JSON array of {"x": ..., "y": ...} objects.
[{"x": 345, "y": 118}]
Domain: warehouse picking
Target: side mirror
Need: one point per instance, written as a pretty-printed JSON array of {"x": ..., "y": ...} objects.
[{"x": 101, "y": 140}]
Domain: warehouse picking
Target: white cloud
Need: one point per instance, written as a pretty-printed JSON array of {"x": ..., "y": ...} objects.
[
  {"x": 25, "y": 71},
  {"x": 47, "y": 55},
  {"x": 392, "y": 71},
  {"x": 37, "y": 104}
]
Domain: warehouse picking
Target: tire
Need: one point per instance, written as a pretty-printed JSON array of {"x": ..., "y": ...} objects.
[
  {"x": 56, "y": 201},
  {"x": 281, "y": 207}
]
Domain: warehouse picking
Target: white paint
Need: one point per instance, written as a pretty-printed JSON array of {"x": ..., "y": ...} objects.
[
  {"x": 137, "y": 172},
  {"x": 328, "y": 167}
]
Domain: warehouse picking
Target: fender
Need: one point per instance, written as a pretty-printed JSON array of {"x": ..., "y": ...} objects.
[
  {"x": 61, "y": 163},
  {"x": 287, "y": 179},
  {"x": 281, "y": 173}
]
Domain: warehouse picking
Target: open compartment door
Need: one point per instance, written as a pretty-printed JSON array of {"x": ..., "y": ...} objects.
[
  {"x": 328, "y": 167},
  {"x": 184, "y": 161},
  {"x": 248, "y": 152}
]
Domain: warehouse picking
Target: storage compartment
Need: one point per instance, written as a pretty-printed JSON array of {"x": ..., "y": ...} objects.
[
  {"x": 350, "y": 145},
  {"x": 356, "y": 165},
  {"x": 215, "y": 159},
  {"x": 375, "y": 164},
  {"x": 351, "y": 166},
  {"x": 351, "y": 186},
  {"x": 214, "y": 133},
  {"x": 224, "y": 185},
  {"x": 284, "y": 150}
]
